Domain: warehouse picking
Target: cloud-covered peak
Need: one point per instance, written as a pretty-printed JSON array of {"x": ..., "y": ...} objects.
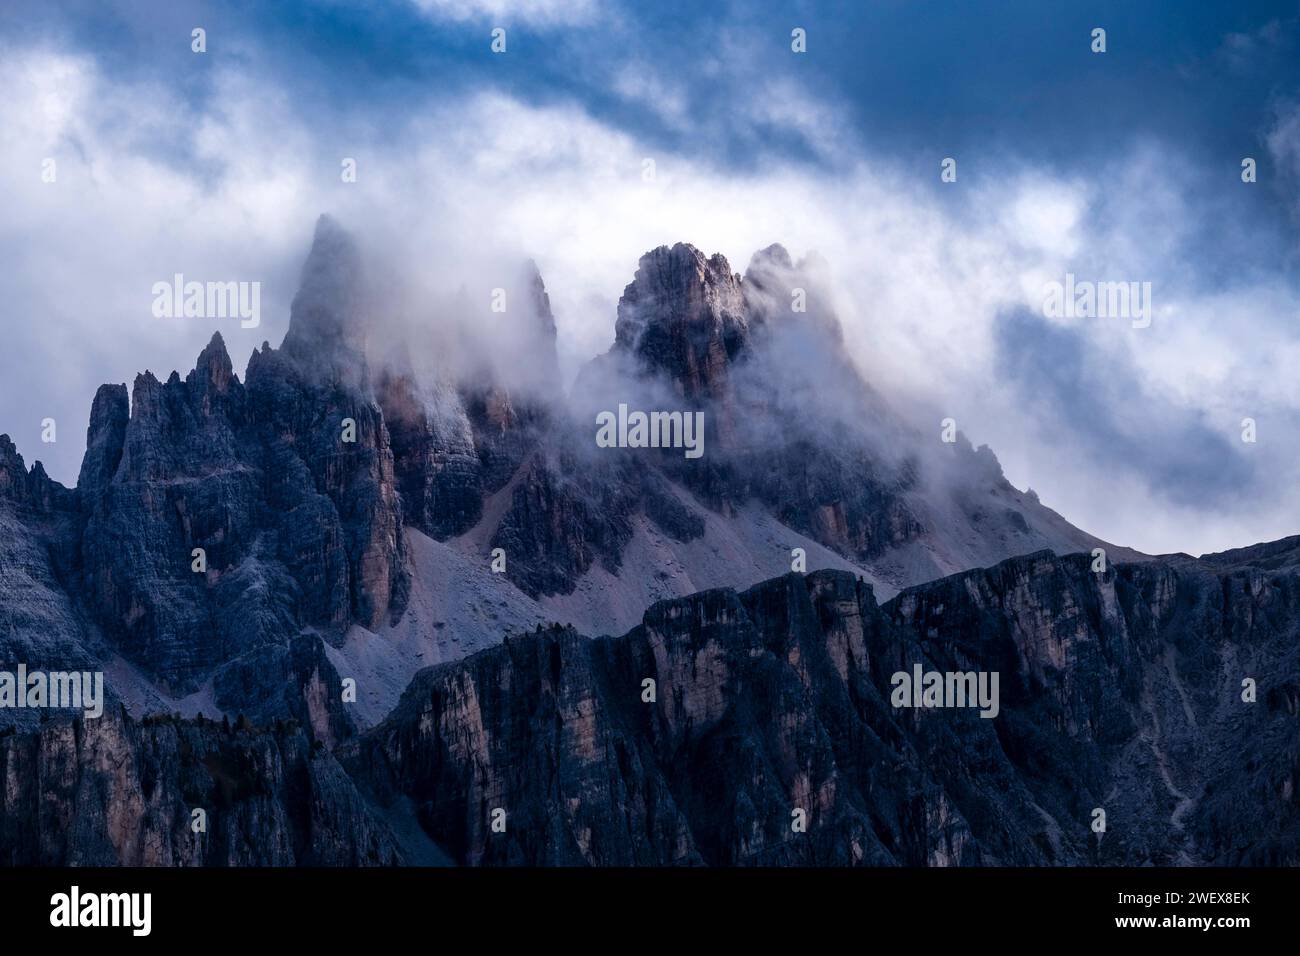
[{"x": 326, "y": 320}]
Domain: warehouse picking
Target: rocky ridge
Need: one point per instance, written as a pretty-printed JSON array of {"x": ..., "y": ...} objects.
[{"x": 1120, "y": 691}]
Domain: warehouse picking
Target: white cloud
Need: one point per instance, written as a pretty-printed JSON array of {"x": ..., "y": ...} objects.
[
  {"x": 920, "y": 283},
  {"x": 1283, "y": 141},
  {"x": 540, "y": 13},
  {"x": 646, "y": 89}
]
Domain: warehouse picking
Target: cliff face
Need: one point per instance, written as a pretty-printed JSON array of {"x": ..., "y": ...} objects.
[
  {"x": 1119, "y": 691},
  {"x": 41, "y": 621},
  {"x": 552, "y": 729},
  {"x": 114, "y": 791},
  {"x": 439, "y": 473},
  {"x": 752, "y": 728}
]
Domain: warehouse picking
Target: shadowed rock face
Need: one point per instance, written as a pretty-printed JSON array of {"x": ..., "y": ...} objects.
[
  {"x": 566, "y": 516},
  {"x": 41, "y": 623},
  {"x": 114, "y": 791},
  {"x": 34, "y": 492},
  {"x": 439, "y": 473},
  {"x": 1119, "y": 691}
]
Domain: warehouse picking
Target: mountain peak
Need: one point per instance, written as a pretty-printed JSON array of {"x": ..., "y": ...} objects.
[
  {"x": 13, "y": 472},
  {"x": 683, "y": 315},
  {"x": 109, "y": 413},
  {"x": 539, "y": 338},
  {"x": 213, "y": 370},
  {"x": 326, "y": 317},
  {"x": 541, "y": 301},
  {"x": 774, "y": 256},
  {"x": 776, "y": 287},
  {"x": 33, "y": 490}
]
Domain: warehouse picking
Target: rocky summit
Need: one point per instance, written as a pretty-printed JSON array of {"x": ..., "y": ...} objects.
[{"x": 354, "y": 609}]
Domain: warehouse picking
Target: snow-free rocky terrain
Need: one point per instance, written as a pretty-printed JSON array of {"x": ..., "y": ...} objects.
[{"x": 372, "y": 560}]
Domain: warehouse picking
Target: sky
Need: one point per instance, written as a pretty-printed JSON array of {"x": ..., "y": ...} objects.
[{"x": 1124, "y": 165}]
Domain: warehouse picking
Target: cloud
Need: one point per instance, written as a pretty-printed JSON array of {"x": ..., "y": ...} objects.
[
  {"x": 1243, "y": 50},
  {"x": 939, "y": 287},
  {"x": 537, "y": 13},
  {"x": 1111, "y": 417},
  {"x": 644, "y": 88},
  {"x": 1283, "y": 141}
]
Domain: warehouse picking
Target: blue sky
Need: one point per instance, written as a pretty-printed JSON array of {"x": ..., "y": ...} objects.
[{"x": 1123, "y": 165}]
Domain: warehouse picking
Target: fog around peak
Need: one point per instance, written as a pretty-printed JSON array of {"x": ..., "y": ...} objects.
[{"x": 938, "y": 289}]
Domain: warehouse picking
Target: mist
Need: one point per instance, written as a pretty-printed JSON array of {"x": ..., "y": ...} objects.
[{"x": 931, "y": 287}]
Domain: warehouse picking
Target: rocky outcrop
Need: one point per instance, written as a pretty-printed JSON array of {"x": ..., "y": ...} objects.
[
  {"x": 295, "y": 681},
  {"x": 329, "y": 317},
  {"x": 568, "y": 513},
  {"x": 330, "y": 478},
  {"x": 110, "y": 413}
]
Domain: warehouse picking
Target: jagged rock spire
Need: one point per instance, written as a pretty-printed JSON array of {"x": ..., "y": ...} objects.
[
  {"x": 541, "y": 302},
  {"x": 538, "y": 339},
  {"x": 33, "y": 490},
  {"x": 327, "y": 317},
  {"x": 109, "y": 414},
  {"x": 13, "y": 472}
]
